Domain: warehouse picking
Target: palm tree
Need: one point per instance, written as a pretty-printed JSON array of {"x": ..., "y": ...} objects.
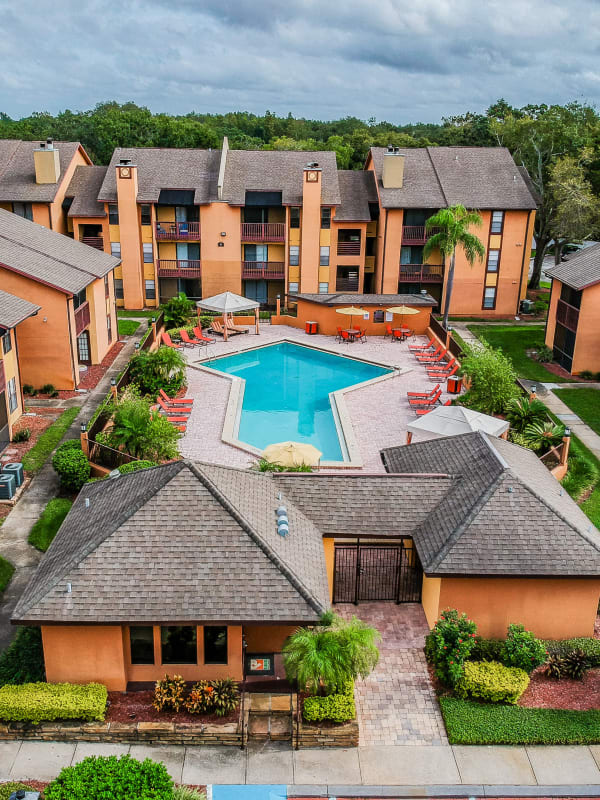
[{"x": 453, "y": 231}]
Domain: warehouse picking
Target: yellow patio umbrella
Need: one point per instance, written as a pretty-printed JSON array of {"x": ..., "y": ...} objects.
[
  {"x": 351, "y": 311},
  {"x": 292, "y": 454},
  {"x": 403, "y": 311}
]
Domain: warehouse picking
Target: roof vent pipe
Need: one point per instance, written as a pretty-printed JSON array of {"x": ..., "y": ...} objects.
[
  {"x": 87, "y": 502},
  {"x": 69, "y": 587},
  {"x": 283, "y": 523}
]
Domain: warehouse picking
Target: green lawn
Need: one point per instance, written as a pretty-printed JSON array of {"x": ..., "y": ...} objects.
[
  {"x": 458, "y": 339},
  {"x": 6, "y": 573},
  {"x": 46, "y": 528},
  {"x": 124, "y": 313},
  {"x": 468, "y": 722},
  {"x": 128, "y": 326},
  {"x": 514, "y": 341},
  {"x": 583, "y": 402},
  {"x": 35, "y": 458}
]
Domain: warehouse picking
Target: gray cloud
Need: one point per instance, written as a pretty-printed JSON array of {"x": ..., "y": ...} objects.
[{"x": 398, "y": 60}]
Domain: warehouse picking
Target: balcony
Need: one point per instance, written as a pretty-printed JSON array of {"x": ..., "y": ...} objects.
[
  {"x": 348, "y": 248},
  {"x": 416, "y": 234},
  {"x": 93, "y": 241},
  {"x": 346, "y": 285},
  {"x": 263, "y": 270},
  {"x": 421, "y": 273},
  {"x": 178, "y": 268},
  {"x": 263, "y": 231},
  {"x": 82, "y": 317},
  {"x": 567, "y": 315},
  {"x": 177, "y": 230}
]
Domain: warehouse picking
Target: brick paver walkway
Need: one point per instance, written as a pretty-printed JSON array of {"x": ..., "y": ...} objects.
[{"x": 396, "y": 704}]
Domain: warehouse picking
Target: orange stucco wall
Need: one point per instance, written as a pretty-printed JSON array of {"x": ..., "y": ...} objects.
[
  {"x": 587, "y": 349},
  {"x": 221, "y": 266},
  {"x": 100, "y": 307},
  {"x": 41, "y": 214},
  {"x": 552, "y": 608},
  {"x": 329, "y": 548},
  {"x": 130, "y": 238},
  {"x": 80, "y": 654},
  {"x": 11, "y": 370},
  {"x": 311, "y": 229},
  {"x": 267, "y": 638},
  {"x": 58, "y": 218}
]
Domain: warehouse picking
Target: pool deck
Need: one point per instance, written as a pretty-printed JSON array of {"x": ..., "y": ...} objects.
[{"x": 379, "y": 412}]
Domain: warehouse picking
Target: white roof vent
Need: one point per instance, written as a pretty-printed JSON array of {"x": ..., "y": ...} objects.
[{"x": 283, "y": 523}]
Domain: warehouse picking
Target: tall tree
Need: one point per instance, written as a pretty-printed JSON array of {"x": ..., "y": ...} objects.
[{"x": 452, "y": 231}]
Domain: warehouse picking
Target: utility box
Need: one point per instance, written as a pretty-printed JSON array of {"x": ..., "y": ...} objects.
[
  {"x": 16, "y": 469},
  {"x": 311, "y": 328},
  {"x": 526, "y": 306},
  {"x": 8, "y": 487}
]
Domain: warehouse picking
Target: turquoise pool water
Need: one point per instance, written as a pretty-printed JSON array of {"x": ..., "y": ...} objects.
[{"x": 286, "y": 397}]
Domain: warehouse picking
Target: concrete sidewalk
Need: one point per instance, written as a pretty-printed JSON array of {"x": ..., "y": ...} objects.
[{"x": 472, "y": 770}]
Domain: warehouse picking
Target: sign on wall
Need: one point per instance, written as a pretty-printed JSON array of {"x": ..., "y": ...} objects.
[{"x": 260, "y": 664}]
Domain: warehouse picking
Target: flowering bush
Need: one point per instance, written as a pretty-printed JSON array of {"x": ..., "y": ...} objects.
[
  {"x": 523, "y": 650},
  {"x": 200, "y": 699},
  {"x": 168, "y": 693},
  {"x": 450, "y": 644}
]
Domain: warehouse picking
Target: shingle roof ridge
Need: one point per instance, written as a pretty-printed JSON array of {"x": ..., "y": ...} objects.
[
  {"x": 79, "y": 555},
  {"x": 437, "y": 177},
  {"x": 293, "y": 579}
]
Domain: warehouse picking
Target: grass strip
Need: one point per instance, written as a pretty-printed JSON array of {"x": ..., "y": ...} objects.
[
  {"x": 34, "y": 459},
  {"x": 128, "y": 326},
  {"x": 468, "y": 722},
  {"x": 6, "y": 573},
  {"x": 46, "y": 528},
  {"x": 584, "y": 402},
  {"x": 124, "y": 313}
]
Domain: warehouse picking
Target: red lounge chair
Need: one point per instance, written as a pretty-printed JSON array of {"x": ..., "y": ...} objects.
[
  {"x": 423, "y": 394},
  {"x": 421, "y": 411},
  {"x": 443, "y": 367},
  {"x": 439, "y": 376},
  {"x": 166, "y": 339},
  {"x": 181, "y": 410},
  {"x": 181, "y": 428},
  {"x": 388, "y": 332},
  {"x": 175, "y": 400},
  {"x": 432, "y": 358},
  {"x": 430, "y": 401},
  {"x": 187, "y": 341},
  {"x": 201, "y": 337},
  {"x": 421, "y": 348},
  {"x": 429, "y": 354}
]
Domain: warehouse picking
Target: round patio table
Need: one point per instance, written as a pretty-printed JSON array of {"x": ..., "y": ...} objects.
[
  {"x": 352, "y": 333},
  {"x": 404, "y": 333}
]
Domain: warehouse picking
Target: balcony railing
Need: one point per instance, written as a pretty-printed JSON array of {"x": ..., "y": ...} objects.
[
  {"x": 82, "y": 317},
  {"x": 567, "y": 315},
  {"x": 346, "y": 285},
  {"x": 416, "y": 234},
  {"x": 177, "y": 230},
  {"x": 265, "y": 270},
  {"x": 178, "y": 268},
  {"x": 263, "y": 231},
  {"x": 93, "y": 241},
  {"x": 348, "y": 248},
  {"x": 421, "y": 273}
]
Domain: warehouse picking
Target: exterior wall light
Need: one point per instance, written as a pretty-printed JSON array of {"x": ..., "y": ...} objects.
[
  {"x": 83, "y": 427},
  {"x": 223, "y": 233}
]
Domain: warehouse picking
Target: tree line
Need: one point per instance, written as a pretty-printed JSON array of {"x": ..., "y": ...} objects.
[{"x": 558, "y": 145}]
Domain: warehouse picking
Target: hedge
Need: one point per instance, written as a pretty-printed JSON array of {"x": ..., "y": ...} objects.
[
  {"x": 23, "y": 659},
  {"x": 112, "y": 778},
  {"x": 41, "y": 702},
  {"x": 71, "y": 465},
  {"x": 469, "y": 722},
  {"x": 492, "y": 681},
  {"x": 562, "y": 647},
  {"x": 335, "y": 707},
  {"x": 46, "y": 528}
]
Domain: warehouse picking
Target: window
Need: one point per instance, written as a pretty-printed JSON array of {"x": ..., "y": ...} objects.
[
  {"x": 118, "y": 289},
  {"x": 148, "y": 252},
  {"x": 215, "y": 644},
  {"x": 323, "y": 288},
  {"x": 294, "y": 217},
  {"x": 12, "y": 395},
  {"x": 489, "y": 297},
  {"x": 113, "y": 214},
  {"x": 294, "y": 255},
  {"x": 324, "y": 257},
  {"x": 293, "y": 287},
  {"x": 23, "y": 210},
  {"x": 493, "y": 259},
  {"x": 141, "y": 643},
  {"x": 570, "y": 296},
  {"x": 106, "y": 288},
  {"x": 79, "y": 299},
  {"x": 326, "y": 217},
  {"x": 178, "y": 644},
  {"x": 109, "y": 327},
  {"x": 83, "y": 348},
  {"x": 6, "y": 343},
  {"x": 150, "y": 290},
  {"x": 146, "y": 214},
  {"x": 115, "y": 249},
  {"x": 497, "y": 221},
  {"x": 411, "y": 254},
  {"x": 347, "y": 279}
]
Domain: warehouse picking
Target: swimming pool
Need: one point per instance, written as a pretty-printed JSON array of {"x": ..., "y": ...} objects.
[{"x": 286, "y": 394}]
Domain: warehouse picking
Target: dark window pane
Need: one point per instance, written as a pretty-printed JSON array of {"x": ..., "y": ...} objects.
[
  {"x": 113, "y": 214},
  {"x": 178, "y": 644},
  {"x": 294, "y": 217},
  {"x": 215, "y": 644},
  {"x": 141, "y": 640},
  {"x": 326, "y": 218},
  {"x": 6, "y": 343},
  {"x": 570, "y": 296},
  {"x": 146, "y": 214},
  {"x": 497, "y": 221}
]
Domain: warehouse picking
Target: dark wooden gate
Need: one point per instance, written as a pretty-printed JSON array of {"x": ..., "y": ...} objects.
[{"x": 377, "y": 572}]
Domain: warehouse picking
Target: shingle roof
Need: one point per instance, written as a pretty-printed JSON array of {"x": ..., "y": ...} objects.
[
  {"x": 369, "y": 299},
  {"x": 14, "y": 310},
  {"x": 17, "y": 171},
  {"x": 435, "y": 177},
  {"x": 581, "y": 269},
  {"x": 178, "y": 543},
  {"x": 48, "y": 256},
  {"x": 357, "y": 190},
  {"x": 505, "y": 515},
  {"x": 166, "y": 168},
  {"x": 84, "y": 188},
  {"x": 278, "y": 171}
]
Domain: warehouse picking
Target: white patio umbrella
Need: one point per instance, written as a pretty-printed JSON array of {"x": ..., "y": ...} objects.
[
  {"x": 292, "y": 454},
  {"x": 452, "y": 420},
  {"x": 229, "y": 303}
]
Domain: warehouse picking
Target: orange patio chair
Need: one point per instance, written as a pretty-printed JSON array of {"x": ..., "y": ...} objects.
[
  {"x": 187, "y": 340},
  {"x": 439, "y": 376},
  {"x": 421, "y": 411},
  {"x": 430, "y": 401},
  {"x": 201, "y": 337},
  {"x": 388, "y": 332},
  {"x": 181, "y": 410},
  {"x": 166, "y": 339},
  {"x": 339, "y": 336},
  {"x": 175, "y": 400},
  {"x": 423, "y": 394},
  {"x": 346, "y": 337},
  {"x": 443, "y": 367},
  {"x": 429, "y": 354},
  {"x": 421, "y": 348},
  {"x": 432, "y": 358}
]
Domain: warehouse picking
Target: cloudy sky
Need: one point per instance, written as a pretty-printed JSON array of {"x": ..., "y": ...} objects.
[{"x": 400, "y": 60}]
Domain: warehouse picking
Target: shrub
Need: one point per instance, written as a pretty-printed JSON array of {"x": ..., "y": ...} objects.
[
  {"x": 575, "y": 665},
  {"x": 487, "y": 649},
  {"x": 492, "y": 377},
  {"x": 175, "y": 333},
  {"x": 46, "y": 528},
  {"x": 338, "y": 707},
  {"x": 187, "y": 793},
  {"x": 539, "y": 307},
  {"x": 581, "y": 477},
  {"x": 492, "y": 681},
  {"x": 262, "y": 465},
  {"x": 24, "y": 435},
  {"x": 450, "y": 644},
  {"x": 562, "y": 647},
  {"x": 142, "y": 433},
  {"x": 162, "y": 369},
  {"x": 28, "y": 389},
  {"x": 555, "y": 667},
  {"x": 199, "y": 700},
  {"x": 112, "y": 778},
  {"x": 522, "y": 411},
  {"x": 72, "y": 465},
  {"x": 585, "y": 374},
  {"x": 7, "y": 570},
  {"x": 178, "y": 311},
  {"x": 134, "y": 466},
  {"x": 38, "y": 702},
  {"x": 168, "y": 693},
  {"x": 519, "y": 438},
  {"x": 543, "y": 435},
  {"x": 225, "y": 696},
  {"x": 48, "y": 388},
  {"x": 23, "y": 659},
  {"x": 522, "y": 649},
  {"x": 6, "y": 789}
]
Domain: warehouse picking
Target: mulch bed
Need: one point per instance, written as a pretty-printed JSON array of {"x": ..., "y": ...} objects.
[
  {"x": 93, "y": 375},
  {"x": 44, "y": 417},
  {"x": 543, "y": 692},
  {"x": 137, "y": 707}
]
